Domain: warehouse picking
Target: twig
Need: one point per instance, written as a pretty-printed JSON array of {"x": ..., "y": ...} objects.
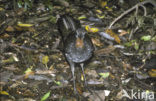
[
  {"x": 145, "y": 11},
  {"x": 31, "y": 49},
  {"x": 131, "y": 9},
  {"x": 133, "y": 31}
]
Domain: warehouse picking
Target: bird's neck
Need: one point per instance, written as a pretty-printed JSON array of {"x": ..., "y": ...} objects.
[{"x": 79, "y": 43}]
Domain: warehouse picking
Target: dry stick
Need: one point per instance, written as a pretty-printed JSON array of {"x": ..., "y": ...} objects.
[
  {"x": 145, "y": 11},
  {"x": 134, "y": 30},
  {"x": 31, "y": 49},
  {"x": 131, "y": 9}
]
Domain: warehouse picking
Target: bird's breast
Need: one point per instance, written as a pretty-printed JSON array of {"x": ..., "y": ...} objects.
[{"x": 78, "y": 55}]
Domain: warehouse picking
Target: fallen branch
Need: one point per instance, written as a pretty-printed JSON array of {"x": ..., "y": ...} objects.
[{"x": 141, "y": 4}]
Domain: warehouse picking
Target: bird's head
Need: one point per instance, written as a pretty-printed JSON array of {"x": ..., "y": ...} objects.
[{"x": 80, "y": 35}]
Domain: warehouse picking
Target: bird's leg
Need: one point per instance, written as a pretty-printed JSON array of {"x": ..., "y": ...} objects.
[
  {"x": 82, "y": 65},
  {"x": 72, "y": 66},
  {"x": 85, "y": 82}
]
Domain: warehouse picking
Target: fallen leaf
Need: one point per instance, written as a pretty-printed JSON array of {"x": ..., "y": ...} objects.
[
  {"x": 122, "y": 32},
  {"x": 82, "y": 17},
  {"x": 28, "y": 72},
  {"x": 4, "y": 93},
  {"x": 24, "y": 25},
  {"x": 9, "y": 29},
  {"x": 1, "y": 9},
  {"x": 104, "y": 51},
  {"x": 5, "y": 35},
  {"x": 111, "y": 33},
  {"x": 104, "y": 75},
  {"x": 45, "y": 97},
  {"x": 18, "y": 28},
  {"x": 99, "y": 11},
  {"x": 152, "y": 73},
  {"x": 57, "y": 82},
  {"x": 108, "y": 8},
  {"x": 45, "y": 59},
  {"x": 96, "y": 42},
  {"x": 103, "y": 4},
  {"x": 93, "y": 29},
  {"x": 146, "y": 38}
]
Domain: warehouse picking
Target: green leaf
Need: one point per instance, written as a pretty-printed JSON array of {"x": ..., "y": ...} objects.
[
  {"x": 154, "y": 38},
  {"x": 45, "y": 96},
  {"x": 58, "y": 82},
  {"x": 132, "y": 43},
  {"x": 128, "y": 44},
  {"x": 50, "y": 7},
  {"x": 146, "y": 38},
  {"x": 28, "y": 70},
  {"x": 81, "y": 17},
  {"x": 104, "y": 75},
  {"x": 53, "y": 19},
  {"x": 136, "y": 45},
  {"x": 9, "y": 60}
]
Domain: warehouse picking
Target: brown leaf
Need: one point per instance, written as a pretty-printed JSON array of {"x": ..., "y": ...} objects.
[
  {"x": 5, "y": 35},
  {"x": 96, "y": 42},
  {"x": 10, "y": 29},
  {"x": 103, "y": 51},
  {"x": 115, "y": 36},
  {"x": 152, "y": 72},
  {"x": 122, "y": 32}
]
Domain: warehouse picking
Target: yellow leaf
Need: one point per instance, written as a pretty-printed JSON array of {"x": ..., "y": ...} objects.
[
  {"x": 1, "y": 9},
  {"x": 103, "y": 4},
  {"x": 45, "y": 60},
  {"x": 109, "y": 9},
  {"x": 93, "y": 30},
  {"x": 100, "y": 16},
  {"x": 99, "y": 11},
  {"x": 82, "y": 78},
  {"x": 4, "y": 93},
  {"x": 24, "y": 25}
]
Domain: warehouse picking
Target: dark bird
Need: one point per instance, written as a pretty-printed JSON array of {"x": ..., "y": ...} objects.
[
  {"x": 66, "y": 25},
  {"x": 78, "y": 46}
]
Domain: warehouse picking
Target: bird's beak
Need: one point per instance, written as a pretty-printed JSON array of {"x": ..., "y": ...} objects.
[{"x": 79, "y": 43}]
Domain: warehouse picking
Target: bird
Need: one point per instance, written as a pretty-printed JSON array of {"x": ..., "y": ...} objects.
[
  {"x": 67, "y": 24},
  {"x": 78, "y": 47}
]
